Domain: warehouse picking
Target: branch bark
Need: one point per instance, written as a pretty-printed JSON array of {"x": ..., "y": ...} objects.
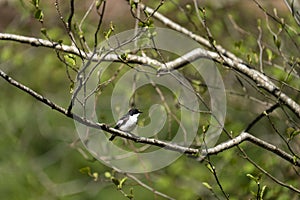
[
  {"x": 260, "y": 79},
  {"x": 198, "y": 153}
]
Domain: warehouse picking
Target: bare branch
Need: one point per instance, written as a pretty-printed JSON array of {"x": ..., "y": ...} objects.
[
  {"x": 37, "y": 42},
  {"x": 147, "y": 186},
  {"x": 261, "y": 49},
  {"x": 166, "y": 21},
  {"x": 170, "y": 146},
  {"x": 259, "y": 117},
  {"x": 269, "y": 175},
  {"x": 101, "y": 15},
  {"x": 230, "y": 59},
  {"x": 260, "y": 79},
  {"x": 69, "y": 24}
]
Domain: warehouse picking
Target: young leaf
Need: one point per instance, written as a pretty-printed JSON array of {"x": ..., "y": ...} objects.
[
  {"x": 115, "y": 181},
  {"x": 269, "y": 54},
  {"x": 295, "y": 159},
  {"x": 35, "y": 3},
  {"x": 95, "y": 175},
  {"x": 110, "y": 31},
  {"x": 44, "y": 31},
  {"x": 207, "y": 185},
  {"x": 85, "y": 170},
  {"x": 291, "y": 132},
  {"x": 70, "y": 59},
  {"x": 211, "y": 168},
  {"x": 122, "y": 182},
  {"x": 39, "y": 15},
  {"x": 261, "y": 195},
  {"x": 107, "y": 175},
  {"x": 252, "y": 177},
  {"x": 98, "y": 4}
]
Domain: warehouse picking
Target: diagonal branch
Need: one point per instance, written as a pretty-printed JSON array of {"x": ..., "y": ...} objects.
[
  {"x": 38, "y": 42},
  {"x": 228, "y": 58},
  {"x": 201, "y": 40},
  {"x": 198, "y": 153},
  {"x": 260, "y": 79}
]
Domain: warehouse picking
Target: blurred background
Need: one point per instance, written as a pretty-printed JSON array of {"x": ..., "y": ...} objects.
[{"x": 40, "y": 155}]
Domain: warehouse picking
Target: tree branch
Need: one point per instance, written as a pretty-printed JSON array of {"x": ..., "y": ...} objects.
[
  {"x": 230, "y": 59},
  {"x": 260, "y": 79},
  {"x": 171, "y": 24},
  {"x": 200, "y": 153},
  {"x": 37, "y": 42}
]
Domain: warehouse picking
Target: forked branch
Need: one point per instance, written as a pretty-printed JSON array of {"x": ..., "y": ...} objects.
[{"x": 198, "y": 153}]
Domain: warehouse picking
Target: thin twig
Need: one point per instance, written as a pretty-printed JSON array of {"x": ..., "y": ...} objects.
[
  {"x": 101, "y": 15},
  {"x": 170, "y": 146},
  {"x": 148, "y": 187},
  {"x": 69, "y": 24},
  {"x": 263, "y": 114},
  {"x": 261, "y": 49},
  {"x": 289, "y": 186},
  {"x": 260, "y": 79},
  {"x": 213, "y": 170}
]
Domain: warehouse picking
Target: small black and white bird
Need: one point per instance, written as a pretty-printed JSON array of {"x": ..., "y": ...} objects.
[{"x": 128, "y": 122}]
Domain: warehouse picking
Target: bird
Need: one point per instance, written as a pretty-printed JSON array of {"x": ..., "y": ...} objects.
[{"x": 128, "y": 122}]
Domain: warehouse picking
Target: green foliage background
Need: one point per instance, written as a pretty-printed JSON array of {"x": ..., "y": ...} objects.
[{"x": 38, "y": 156}]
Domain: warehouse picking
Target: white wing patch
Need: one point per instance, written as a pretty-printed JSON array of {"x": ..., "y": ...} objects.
[
  {"x": 127, "y": 123},
  {"x": 119, "y": 123}
]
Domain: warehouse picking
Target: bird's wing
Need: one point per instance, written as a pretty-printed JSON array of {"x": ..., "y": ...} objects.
[{"x": 121, "y": 121}]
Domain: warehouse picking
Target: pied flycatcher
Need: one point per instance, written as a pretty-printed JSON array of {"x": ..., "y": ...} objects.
[{"x": 128, "y": 122}]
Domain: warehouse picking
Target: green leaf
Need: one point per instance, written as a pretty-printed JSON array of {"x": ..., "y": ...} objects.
[
  {"x": 70, "y": 59},
  {"x": 261, "y": 195},
  {"x": 129, "y": 196},
  {"x": 277, "y": 41},
  {"x": 110, "y": 31},
  {"x": 39, "y": 15},
  {"x": 44, "y": 31},
  {"x": 207, "y": 185},
  {"x": 124, "y": 56},
  {"x": 259, "y": 22},
  {"x": 95, "y": 175},
  {"x": 291, "y": 132},
  {"x": 238, "y": 44},
  {"x": 188, "y": 7},
  {"x": 115, "y": 181},
  {"x": 81, "y": 34},
  {"x": 122, "y": 182},
  {"x": 269, "y": 54},
  {"x": 249, "y": 58},
  {"x": 35, "y": 3},
  {"x": 295, "y": 133},
  {"x": 98, "y": 4},
  {"x": 251, "y": 176},
  {"x": 72, "y": 87},
  {"x": 107, "y": 175},
  {"x": 255, "y": 178},
  {"x": 211, "y": 168},
  {"x": 85, "y": 170},
  {"x": 295, "y": 159},
  {"x": 132, "y": 4},
  {"x": 60, "y": 41}
]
